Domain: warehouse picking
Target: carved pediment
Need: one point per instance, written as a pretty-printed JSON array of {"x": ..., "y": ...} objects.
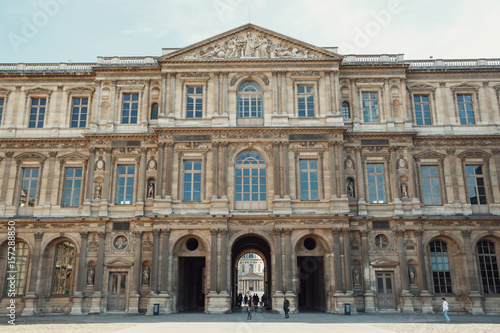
[
  {"x": 31, "y": 156},
  {"x": 474, "y": 153},
  {"x": 384, "y": 262},
  {"x": 5, "y": 91},
  {"x": 73, "y": 156},
  {"x": 465, "y": 86},
  {"x": 80, "y": 90},
  {"x": 428, "y": 154},
  {"x": 39, "y": 90},
  {"x": 119, "y": 262},
  {"x": 249, "y": 42},
  {"x": 421, "y": 86}
]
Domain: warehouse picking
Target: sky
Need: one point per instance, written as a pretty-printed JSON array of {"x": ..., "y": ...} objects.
[{"x": 41, "y": 31}]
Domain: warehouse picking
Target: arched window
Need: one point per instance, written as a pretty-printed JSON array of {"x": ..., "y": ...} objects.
[
  {"x": 346, "y": 110},
  {"x": 441, "y": 276},
  {"x": 154, "y": 111},
  {"x": 250, "y": 97},
  {"x": 64, "y": 260},
  {"x": 250, "y": 181},
  {"x": 19, "y": 271},
  {"x": 488, "y": 266}
]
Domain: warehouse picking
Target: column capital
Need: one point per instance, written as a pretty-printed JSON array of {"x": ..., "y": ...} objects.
[
  {"x": 364, "y": 233},
  {"x": 101, "y": 234},
  {"x": 466, "y": 233},
  {"x": 419, "y": 233},
  {"x": 84, "y": 234},
  {"x": 166, "y": 232},
  {"x": 137, "y": 234},
  {"x": 400, "y": 233},
  {"x": 9, "y": 154},
  {"x": 223, "y": 232},
  {"x": 287, "y": 232},
  {"x": 156, "y": 232},
  {"x": 38, "y": 235},
  {"x": 213, "y": 232},
  {"x": 336, "y": 231}
]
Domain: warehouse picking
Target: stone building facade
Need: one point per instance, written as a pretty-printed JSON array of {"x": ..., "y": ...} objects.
[{"x": 369, "y": 180}]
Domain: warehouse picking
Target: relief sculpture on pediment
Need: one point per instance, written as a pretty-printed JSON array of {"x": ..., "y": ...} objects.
[{"x": 250, "y": 46}]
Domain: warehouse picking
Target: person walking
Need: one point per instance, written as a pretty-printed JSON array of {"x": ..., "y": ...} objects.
[
  {"x": 446, "y": 307},
  {"x": 286, "y": 307},
  {"x": 249, "y": 311}
]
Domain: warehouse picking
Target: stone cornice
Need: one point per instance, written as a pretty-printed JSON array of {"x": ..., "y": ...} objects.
[{"x": 458, "y": 141}]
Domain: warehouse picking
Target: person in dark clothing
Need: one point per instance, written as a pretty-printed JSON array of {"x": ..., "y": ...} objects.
[
  {"x": 246, "y": 299},
  {"x": 249, "y": 312},
  {"x": 286, "y": 307}
]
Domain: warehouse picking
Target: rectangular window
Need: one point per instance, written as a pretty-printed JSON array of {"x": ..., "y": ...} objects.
[
  {"x": 2, "y": 100},
  {"x": 370, "y": 107},
  {"x": 305, "y": 101},
  {"x": 194, "y": 102},
  {"x": 376, "y": 183},
  {"x": 346, "y": 112},
  {"x": 72, "y": 187},
  {"x": 79, "y": 112},
  {"x": 125, "y": 185},
  {"x": 192, "y": 181},
  {"x": 37, "y": 114},
  {"x": 475, "y": 184},
  {"x": 465, "y": 110},
  {"x": 29, "y": 184},
  {"x": 430, "y": 185},
  {"x": 422, "y": 110},
  {"x": 309, "y": 180},
  {"x": 130, "y": 108}
]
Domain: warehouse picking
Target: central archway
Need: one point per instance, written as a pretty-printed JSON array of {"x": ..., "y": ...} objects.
[{"x": 251, "y": 243}]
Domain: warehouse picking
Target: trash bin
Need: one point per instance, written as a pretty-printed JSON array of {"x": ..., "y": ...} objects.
[
  {"x": 156, "y": 309},
  {"x": 347, "y": 308}
]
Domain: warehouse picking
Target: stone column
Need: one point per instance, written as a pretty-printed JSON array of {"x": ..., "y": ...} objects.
[
  {"x": 171, "y": 107},
  {"x": 425, "y": 296},
  {"x": 412, "y": 181},
  {"x": 284, "y": 93},
  {"x": 165, "y": 257},
  {"x": 275, "y": 94},
  {"x": 223, "y": 170},
  {"x": 394, "y": 194},
  {"x": 286, "y": 166},
  {"x": 337, "y": 108},
  {"x": 164, "y": 95},
  {"x": 474, "y": 288},
  {"x": 405, "y": 283},
  {"x": 223, "y": 262},
  {"x": 113, "y": 106},
  {"x": 50, "y": 177},
  {"x": 155, "y": 264},
  {"x": 215, "y": 168},
  {"x": 30, "y": 307},
  {"x": 142, "y": 176},
  {"x": 136, "y": 285},
  {"x": 288, "y": 261},
  {"x": 276, "y": 169},
  {"x": 159, "y": 176},
  {"x": 90, "y": 179},
  {"x": 80, "y": 285},
  {"x": 99, "y": 272},
  {"x": 6, "y": 176},
  {"x": 107, "y": 177},
  {"x": 146, "y": 104},
  {"x": 341, "y": 182},
  {"x": 213, "y": 262},
  {"x": 347, "y": 262},
  {"x": 97, "y": 102},
  {"x": 368, "y": 293},
  {"x": 225, "y": 92},
  {"x": 359, "y": 177},
  {"x": 333, "y": 170},
  {"x": 282, "y": 171},
  {"x": 452, "y": 160},
  {"x": 170, "y": 162},
  {"x": 278, "y": 264},
  {"x": 217, "y": 94},
  {"x": 337, "y": 261}
]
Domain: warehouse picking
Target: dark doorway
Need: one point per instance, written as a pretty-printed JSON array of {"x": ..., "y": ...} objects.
[
  {"x": 312, "y": 283},
  {"x": 191, "y": 284},
  {"x": 256, "y": 245}
]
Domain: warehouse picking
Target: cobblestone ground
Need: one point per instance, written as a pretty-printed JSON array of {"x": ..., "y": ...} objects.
[{"x": 237, "y": 322}]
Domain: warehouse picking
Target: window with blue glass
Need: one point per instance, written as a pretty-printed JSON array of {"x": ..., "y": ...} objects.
[
  {"x": 346, "y": 110},
  {"x": 376, "y": 183},
  {"x": 488, "y": 266},
  {"x": 475, "y": 184},
  {"x": 194, "y": 102},
  {"x": 305, "y": 100},
  {"x": 37, "y": 113},
  {"x": 79, "y": 112},
  {"x": 72, "y": 187},
  {"x": 465, "y": 110},
  {"x": 130, "y": 108},
  {"x": 441, "y": 276},
  {"x": 154, "y": 111},
  {"x": 17, "y": 276},
  {"x": 2, "y": 100},
  {"x": 370, "y": 107},
  {"x": 249, "y": 101},
  {"x": 431, "y": 188},
  {"x": 29, "y": 185},
  {"x": 192, "y": 181},
  {"x": 125, "y": 185},
  {"x": 250, "y": 181},
  {"x": 309, "y": 180},
  {"x": 422, "y": 110}
]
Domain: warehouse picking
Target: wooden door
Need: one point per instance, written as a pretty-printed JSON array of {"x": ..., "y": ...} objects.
[
  {"x": 117, "y": 298},
  {"x": 385, "y": 291}
]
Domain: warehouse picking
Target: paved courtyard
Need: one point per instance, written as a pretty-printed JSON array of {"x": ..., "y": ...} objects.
[{"x": 236, "y": 322}]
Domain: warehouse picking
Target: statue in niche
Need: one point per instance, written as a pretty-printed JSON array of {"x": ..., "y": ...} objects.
[
  {"x": 411, "y": 274},
  {"x": 145, "y": 276},
  {"x": 349, "y": 164},
  {"x": 355, "y": 275},
  {"x": 350, "y": 188},
  {"x": 97, "y": 191},
  {"x": 151, "y": 190},
  {"x": 90, "y": 276},
  {"x": 404, "y": 190}
]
